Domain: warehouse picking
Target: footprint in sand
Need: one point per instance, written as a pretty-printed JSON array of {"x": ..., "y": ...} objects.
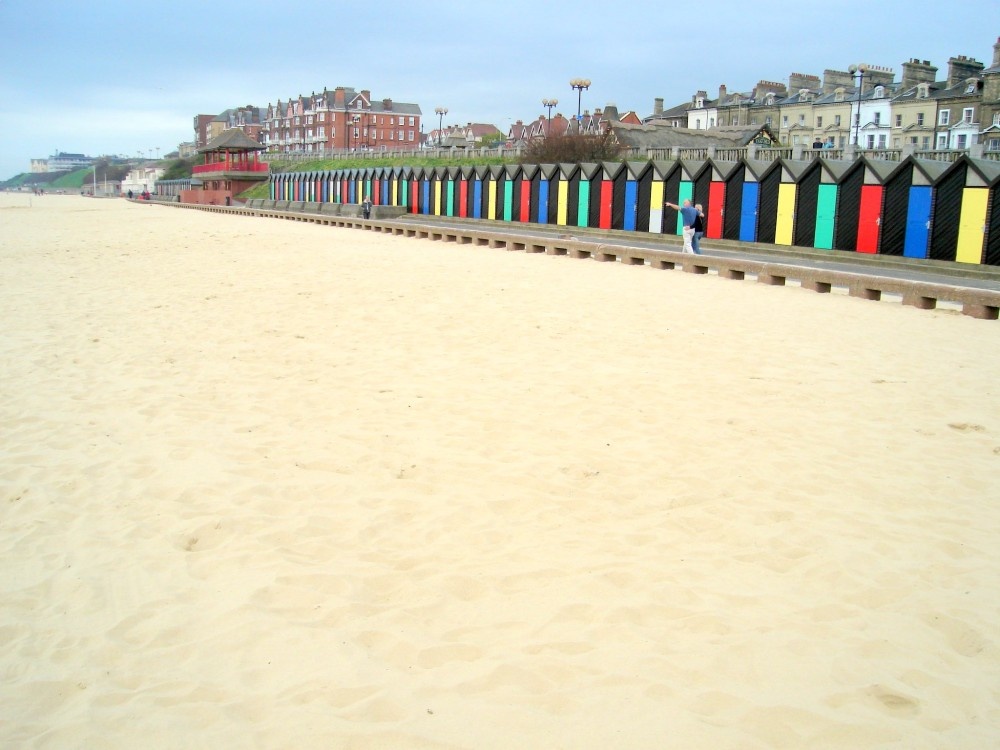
[{"x": 966, "y": 427}]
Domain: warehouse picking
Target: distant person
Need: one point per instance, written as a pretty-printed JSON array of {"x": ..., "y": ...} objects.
[
  {"x": 817, "y": 143},
  {"x": 130, "y": 195},
  {"x": 829, "y": 143},
  {"x": 366, "y": 207},
  {"x": 699, "y": 229},
  {"x": 688, "y": 214}
]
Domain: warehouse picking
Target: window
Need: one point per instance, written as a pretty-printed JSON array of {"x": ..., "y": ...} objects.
[
  {"x": 942, "y": 141},
  {"x": 411, "y": 122},
  {"x": 795, "y": 140},
  {"x": 879, "y": 92},
  {"x": 753, "y": 121},
  {"x": 784, "y": 121},
  {"x": 411, "y": 133},
  {"x": 819, "y": 122},
  {"x": 920, "y": 119},
  {"x": 836, "y": 120},
  {"x": 881, "y": 141},
  {"x": 401, "y": 135},
  {"x": 871, "y": 141},
  {"x": 944, "y": 117},
  {"x": 878, "y": 118},
  {"x": 996, "y": 119},
  {"x": 993, "y": 144},
  {"x": 967, "y": 114},
  {"x": 962, "y": 141},
  {"x": 767, "y": 120},
  {"x": 899, "y": 121},
  {"x": 971, "y": 88},
  {"x": 802, "y": 119},
  {"x": 926, "y": 142}
]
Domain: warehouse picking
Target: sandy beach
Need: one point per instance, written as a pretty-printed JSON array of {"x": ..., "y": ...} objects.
[{"x": 270, "y": 484}]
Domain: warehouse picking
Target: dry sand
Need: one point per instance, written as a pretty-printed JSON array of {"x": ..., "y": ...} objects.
[{"x": 275, "y": 485}]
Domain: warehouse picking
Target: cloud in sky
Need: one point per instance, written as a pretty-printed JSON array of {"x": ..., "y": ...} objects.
[{"x": 107, "y": 76}]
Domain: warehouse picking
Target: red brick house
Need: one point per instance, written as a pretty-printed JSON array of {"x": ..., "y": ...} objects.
[{"x": 342, "y": 119}]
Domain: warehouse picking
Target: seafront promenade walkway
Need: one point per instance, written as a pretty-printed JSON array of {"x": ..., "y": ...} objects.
[{"x": 972, "y": 289}]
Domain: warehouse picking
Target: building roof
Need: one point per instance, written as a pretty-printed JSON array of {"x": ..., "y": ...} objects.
[
  {"x": 233, "y": 139},
  {"x": 658, "y": 134}
]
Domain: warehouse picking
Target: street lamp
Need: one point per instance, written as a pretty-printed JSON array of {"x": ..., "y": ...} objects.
[
  {"x": 860, "y": 69},
  {"x": 550, "y": 103},
  {"x": 440, "y": 112},
  {"x": 579, "y": 84}
]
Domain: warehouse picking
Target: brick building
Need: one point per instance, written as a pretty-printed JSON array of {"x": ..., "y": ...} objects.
[{"x": 342, "y": 119}]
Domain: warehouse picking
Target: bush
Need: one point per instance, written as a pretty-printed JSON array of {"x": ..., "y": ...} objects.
[{"x": 572, "y": 149}]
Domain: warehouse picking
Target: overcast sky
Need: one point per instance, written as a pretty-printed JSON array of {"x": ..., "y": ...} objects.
[{"x": 128, "y": 76}]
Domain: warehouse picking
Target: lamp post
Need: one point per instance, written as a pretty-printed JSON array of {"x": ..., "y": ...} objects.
[
  {"x": 860, "y": 69},
  {"x": 579, "y": 84},
  {"x": 440, "y": 112},
  {"x": 550, "y": 103}
]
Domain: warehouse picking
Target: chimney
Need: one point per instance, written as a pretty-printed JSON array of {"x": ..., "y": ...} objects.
[
  {"x": 962, "y": 67},
  {"x": 996, "y": 54},
  {"x": 387, "y": 105},
  {"x": 835, "y": 79},
  {"x": 658, "y": 105},
  {"x": 916, "y": 71},
  {"x": 338, "y": 98},
  {"x": 799, "y": 81},
  {"x": 722, "y": 92}
]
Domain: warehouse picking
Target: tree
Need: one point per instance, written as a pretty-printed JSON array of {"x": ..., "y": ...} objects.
[{"x": 573, "y": 148}]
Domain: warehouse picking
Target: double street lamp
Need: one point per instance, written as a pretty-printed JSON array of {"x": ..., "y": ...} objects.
[
  {"x": 550, "y": 103},
  {"x": 579, "y": 84},
  {"x": 860, "y": 69},
  {"x": 440, "y": 112}
]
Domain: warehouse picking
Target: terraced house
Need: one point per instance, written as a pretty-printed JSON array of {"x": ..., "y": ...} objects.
[{"x": 863, "y": 106}]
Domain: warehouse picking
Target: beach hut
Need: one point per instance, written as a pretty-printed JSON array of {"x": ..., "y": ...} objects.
[
  {"x": 548, "y": 194},
  {"x": 611, "y": 196},
  {"x": 767, "y": 202},
  {"x": 649, "y": 197},
  {"x": 512, "y": 192},
  {"x": 991, "y": 255},
  {"x": 648, "y": 200},
  {"x": 479, "y": 195},
  {"x": 526, "y": 209},
  {"x": 591, "y": 177},
  {"x": 741, "y": 200},
  {"x": 569, "y": 213},
  {"x": 623, "y": 194},
  {"x": 719, "y": 172},
  {"x": 961, "y": 200},
  {"x": 785, "y": 220},
  {"x": 495, "y": 192},
  {"x": 413, "y": 189},
  {"x": 399, "y": 192},
  {"x": 906, "y": 207},
  {"x": 816, "y": 203},
  {"x": 859, "y": 205},
  {"x": 678, "y": 186}
]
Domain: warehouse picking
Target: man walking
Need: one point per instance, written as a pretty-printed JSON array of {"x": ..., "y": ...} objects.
[{"x": 688, "y": 214}]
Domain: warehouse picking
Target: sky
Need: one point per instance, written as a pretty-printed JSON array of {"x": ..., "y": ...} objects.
[{"x": 128, "y": 76}]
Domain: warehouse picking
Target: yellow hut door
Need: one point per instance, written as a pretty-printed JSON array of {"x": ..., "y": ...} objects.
[{"x": 971, "y": 224}]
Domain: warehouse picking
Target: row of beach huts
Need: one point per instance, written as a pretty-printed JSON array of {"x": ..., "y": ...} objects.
[{"x": 948, "y": 211}]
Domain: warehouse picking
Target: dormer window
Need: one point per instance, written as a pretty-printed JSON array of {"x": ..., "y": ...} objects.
[
  {"x": 879, "y": 92},
  {"x": 923, "y": 91},
  {"x": 971, "y": 88},
  {"x": 699, "y": 103}
]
